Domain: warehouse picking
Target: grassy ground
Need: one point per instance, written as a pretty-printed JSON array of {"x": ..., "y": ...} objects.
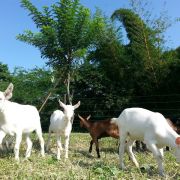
[{"x": 81, "y": 165}]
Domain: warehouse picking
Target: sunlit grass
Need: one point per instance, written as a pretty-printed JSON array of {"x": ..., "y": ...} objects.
[{"x": 81, "y": 164}]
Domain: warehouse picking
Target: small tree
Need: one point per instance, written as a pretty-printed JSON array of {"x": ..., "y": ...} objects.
[{"x": 66, "y": 30}]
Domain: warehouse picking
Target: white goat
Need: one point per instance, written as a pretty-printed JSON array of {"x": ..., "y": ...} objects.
[
  {"x": 150, "y": 127},
  {"x": 16, "y": 119},
  {"x": 61, "y": 124}
]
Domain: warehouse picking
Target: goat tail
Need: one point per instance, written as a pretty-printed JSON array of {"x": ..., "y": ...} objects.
[{"x": 114, "y": 121}]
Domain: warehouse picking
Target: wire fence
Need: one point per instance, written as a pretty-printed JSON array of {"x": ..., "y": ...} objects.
[{"x": 168, "y": 105}]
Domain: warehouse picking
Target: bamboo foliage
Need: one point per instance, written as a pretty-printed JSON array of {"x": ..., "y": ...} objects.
[{"x": 140, "y": 37}]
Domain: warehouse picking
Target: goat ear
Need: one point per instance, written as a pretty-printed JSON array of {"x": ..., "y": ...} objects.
[
  {"x": 77, "y": 105},
  {"x": 88, "y": 117},
  {"x": 8, "y": 91},
  {"x": 62, "y": 104}
]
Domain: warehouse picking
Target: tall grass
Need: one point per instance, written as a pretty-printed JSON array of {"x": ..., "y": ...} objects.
[{"x": 81, "y": 164}]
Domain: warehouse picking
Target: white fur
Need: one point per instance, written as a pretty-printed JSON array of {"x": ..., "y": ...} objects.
[
  {"x": 61, "y": 124},
  {"x": 147, "y": 126},
  {"x": 16, "y": 119}
]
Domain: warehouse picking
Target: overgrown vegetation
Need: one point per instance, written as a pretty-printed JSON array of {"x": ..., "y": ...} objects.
[
  {"x": 88, "y": 61},
  {"x": 82, "y": 165}
]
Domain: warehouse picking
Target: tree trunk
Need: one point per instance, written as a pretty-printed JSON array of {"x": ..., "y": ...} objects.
[
  {"x": 69, "y": 95},
  {"x": 148, "y": 54},
  {"x": 68, "y": 88}
]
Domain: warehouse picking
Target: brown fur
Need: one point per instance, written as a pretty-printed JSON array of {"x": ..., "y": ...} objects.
[{"x": 99, "y": 129}]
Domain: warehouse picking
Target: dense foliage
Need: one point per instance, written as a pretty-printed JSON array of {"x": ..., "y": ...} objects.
[{"x": 89, "y": 62}]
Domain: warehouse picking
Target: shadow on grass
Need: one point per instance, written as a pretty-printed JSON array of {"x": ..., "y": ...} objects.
[
  {"x": 6, "y": 153},
  {"x": 85, "y": 154},
  {"x": 109, "y": 150},
  {"x": 82, "y": 163},
  {"x": 36, "y": 144}
]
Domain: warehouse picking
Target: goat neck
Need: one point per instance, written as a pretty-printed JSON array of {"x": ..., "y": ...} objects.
[{"x": 67, "y": 120}]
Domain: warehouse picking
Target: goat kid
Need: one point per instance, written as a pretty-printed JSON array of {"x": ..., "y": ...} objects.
[
  {"x": 16, "y": 119},
  {"x": 61, "y": 124},
  {"x": 98, "y": 130},
  {"x": 150, "y": 127}
]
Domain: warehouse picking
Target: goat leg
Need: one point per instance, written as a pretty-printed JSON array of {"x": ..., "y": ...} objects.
[
  {"x": 90, "y": 147},
  {"x": 137, "y": 146},
  {"x": 97, "y": 148},
  {"x": 2, "y": 135}
]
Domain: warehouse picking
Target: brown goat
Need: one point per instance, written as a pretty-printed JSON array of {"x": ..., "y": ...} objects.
[{"x": 99, "y": 129}]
